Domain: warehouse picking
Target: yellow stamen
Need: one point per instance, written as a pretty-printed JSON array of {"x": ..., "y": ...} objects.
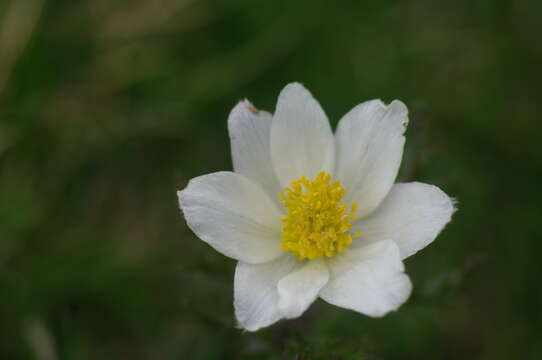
[{"x": 316, "y": 224}]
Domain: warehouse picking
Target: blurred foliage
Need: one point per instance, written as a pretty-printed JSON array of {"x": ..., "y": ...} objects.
[{"x": 108, "y": 107}]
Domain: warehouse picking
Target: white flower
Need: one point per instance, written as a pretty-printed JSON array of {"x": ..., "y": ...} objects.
[{"x": 310, "y": 214}]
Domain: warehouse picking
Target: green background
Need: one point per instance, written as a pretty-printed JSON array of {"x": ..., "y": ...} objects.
[{"x": 108, "y": 107}]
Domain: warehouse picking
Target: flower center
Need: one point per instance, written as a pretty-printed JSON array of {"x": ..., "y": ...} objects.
[{"x": 316, "y": 224}]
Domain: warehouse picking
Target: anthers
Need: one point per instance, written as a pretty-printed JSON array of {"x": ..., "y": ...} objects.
[{"x": 316, "y": 223}]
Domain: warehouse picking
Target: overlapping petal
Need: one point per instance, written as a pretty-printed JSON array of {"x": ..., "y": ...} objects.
[
  {"x": 413, "y": 214},
  {"x": 256, "y": 296},
  {"x": 300, "y": 288},
  {"x": 301, "y": 139},
  {"x": 370, "y": 142},
  {"x": 370, "y": 279},
  {"x": 233, "y": 215}
]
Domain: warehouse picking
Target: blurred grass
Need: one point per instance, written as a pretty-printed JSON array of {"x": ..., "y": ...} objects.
[{"x": 106, "y": 108}]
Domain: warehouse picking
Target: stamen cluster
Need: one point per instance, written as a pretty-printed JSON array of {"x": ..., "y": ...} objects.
[{"x": 316, "y": 223}]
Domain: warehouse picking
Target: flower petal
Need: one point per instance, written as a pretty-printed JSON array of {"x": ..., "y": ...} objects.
[
  {"x": 233, "y": 215},
  {"x": 369, "y": 150},
  {"x": 250, "y": 135},
  {"x": 301, "y": 139},
  {"x": 256, "y": 298},
  {"x": 413, "y": 214},
  {"x": 300, "y": 288},
  {"x": 370, "y": 280}
]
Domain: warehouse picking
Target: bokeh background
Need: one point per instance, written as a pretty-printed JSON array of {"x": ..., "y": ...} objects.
[{"x": 108, "y": 107}]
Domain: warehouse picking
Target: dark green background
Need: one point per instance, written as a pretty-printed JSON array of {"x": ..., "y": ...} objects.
[{"x": 108, "y": 107}]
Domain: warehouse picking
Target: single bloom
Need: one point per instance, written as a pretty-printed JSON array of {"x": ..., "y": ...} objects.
[{"x": 308, "y": 213}]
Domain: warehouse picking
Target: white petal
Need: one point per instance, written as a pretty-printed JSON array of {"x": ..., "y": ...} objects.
[
  {"x": 300, "y": 288},
  {"x": 301, "y": 139},
  {"x": 256, "y": 297},
  {"x": 370, "y": 280},
  {"x": 413, "y": 214},
  {"x": 250, "y": 134},
  {"x": 233, "y": 215},
  {"x": 369, "y": 150}
]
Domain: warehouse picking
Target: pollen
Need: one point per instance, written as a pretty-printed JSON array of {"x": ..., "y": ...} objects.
[{"x": 316, "y": 224}]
